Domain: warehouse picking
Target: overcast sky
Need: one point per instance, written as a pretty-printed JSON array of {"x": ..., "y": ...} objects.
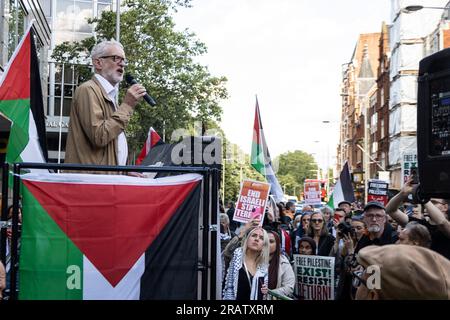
[{"x": 289, "y": 53}]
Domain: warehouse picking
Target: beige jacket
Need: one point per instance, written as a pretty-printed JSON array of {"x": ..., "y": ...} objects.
[
  {"x": 2, "y": 279},
  {"x": 94, "y": 126}
]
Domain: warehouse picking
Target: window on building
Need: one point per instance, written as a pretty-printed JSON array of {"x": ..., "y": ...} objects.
[
  {"x": 73, "y": 76},
  {"x": 16, "y": 26},
  {"x": 71, "y": 21},
  {"x": 382, "y": 129},
  {"x": 383, "y": 159},
  {"x": 103, "y": 5},
  {"x": 373, "y": 123},
  {"x": 374, "y": 147}
]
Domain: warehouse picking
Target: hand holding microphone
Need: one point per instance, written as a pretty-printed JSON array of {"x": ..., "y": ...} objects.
[{"x": 131, "y": 81}]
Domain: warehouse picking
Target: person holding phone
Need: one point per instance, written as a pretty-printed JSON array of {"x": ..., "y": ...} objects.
[{"x": 435, "y": 218}]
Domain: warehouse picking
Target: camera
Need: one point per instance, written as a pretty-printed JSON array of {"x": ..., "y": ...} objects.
[
  {"x": 418, "y": 197},
  {"x": 344, "y": 228}
]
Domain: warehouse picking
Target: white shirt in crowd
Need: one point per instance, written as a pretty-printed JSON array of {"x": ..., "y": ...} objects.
[{"x": 122, "y": 152}]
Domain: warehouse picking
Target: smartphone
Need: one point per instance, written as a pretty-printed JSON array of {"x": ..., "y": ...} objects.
[{"x": 415, "y": 175}]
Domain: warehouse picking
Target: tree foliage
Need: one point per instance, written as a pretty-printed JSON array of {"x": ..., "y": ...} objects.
[
  {"x": 293, "y": 168},
  {"x": 162, "y": 59},
  {"x": 237, "y": 168}
]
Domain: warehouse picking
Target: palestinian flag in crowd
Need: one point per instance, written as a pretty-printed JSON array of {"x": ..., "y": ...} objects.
[
  {"x": 109, "y": 237},
  {"x": 343, "y": 190},
  {"x": 153, "y": 139},
  {"x": 260, "y": 157},
  {"x": 21, "y": 103}
]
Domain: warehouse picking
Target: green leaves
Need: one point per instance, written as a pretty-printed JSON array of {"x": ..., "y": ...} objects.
[
  {"x": 162, "y": 59},
  {"x": 294, "y": 168}
]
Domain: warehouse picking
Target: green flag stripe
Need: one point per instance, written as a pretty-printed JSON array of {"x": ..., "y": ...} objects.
[
  {"x": 18, "y": 112},
  {"x": 257, "y": 159},
  {"x": 51, "y": 266},
  {"x": 330, "y": 202}
]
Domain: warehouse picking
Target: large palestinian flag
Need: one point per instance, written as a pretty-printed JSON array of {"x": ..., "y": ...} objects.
[
  {"x": 21, "y": 103},
  {"x": 260, "y": 157},
  {"x": 109, "y": 237}
]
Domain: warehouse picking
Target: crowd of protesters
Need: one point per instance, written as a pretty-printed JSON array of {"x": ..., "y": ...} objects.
[{"x": 410, "y": 243}]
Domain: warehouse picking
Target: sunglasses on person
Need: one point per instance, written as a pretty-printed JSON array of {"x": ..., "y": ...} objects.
[{"x": 316, "y": 220}]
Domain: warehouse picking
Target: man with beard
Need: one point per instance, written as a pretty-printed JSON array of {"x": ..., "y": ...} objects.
[
  {"x": 380, "y": 233},
  {"x": 97, "y": 123}
]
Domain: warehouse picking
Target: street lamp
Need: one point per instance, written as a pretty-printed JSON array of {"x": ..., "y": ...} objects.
[
  {"x": 417, "y": 8},
  {"x": 329, "y": 122},
  {"x": 410, "y": 9}
]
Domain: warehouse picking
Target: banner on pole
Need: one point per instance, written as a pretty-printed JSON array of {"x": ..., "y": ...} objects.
[
  {"x": 252, "y": 201},
  {"x": 314, "y": 277}
]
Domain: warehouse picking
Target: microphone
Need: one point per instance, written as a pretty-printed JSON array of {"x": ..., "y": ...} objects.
[{"x": 130, "y": 80}]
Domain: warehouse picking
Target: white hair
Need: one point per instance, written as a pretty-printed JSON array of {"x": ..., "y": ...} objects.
[{"x": 99, "y": 49}]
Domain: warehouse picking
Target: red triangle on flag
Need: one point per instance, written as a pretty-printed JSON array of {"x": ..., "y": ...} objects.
[
  {"x": 155, "y": 138},
  {"x": 112, "y": 225},
  {"x": 16, "y": 84}
]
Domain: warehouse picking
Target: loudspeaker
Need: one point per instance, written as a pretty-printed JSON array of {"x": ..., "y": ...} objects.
[
  {"x": 203, "y": 151},
  {"x": 433, "y": 125}
]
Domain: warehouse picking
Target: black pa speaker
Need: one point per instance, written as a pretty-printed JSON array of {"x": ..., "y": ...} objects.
[
  {"x": 433, "y": 125},
  {"x": 198, "y": 151}
]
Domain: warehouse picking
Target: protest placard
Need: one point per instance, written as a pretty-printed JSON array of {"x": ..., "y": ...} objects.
[
  {"x": 314, "y": 277},
  {"x": 409, "y": 161},
  {"x": 252, "y": 201},
  {"x": 378, "y": 191},
  {"x": 312, "y": 192}
]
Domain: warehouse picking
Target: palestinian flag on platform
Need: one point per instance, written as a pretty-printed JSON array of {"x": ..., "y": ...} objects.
[
  {"x": 21, "y": 103},
  {"x": 343, "y": 190},
  {"x": 260, "y": 157},
  {"x": 109, "y": 237},
  {"x": 153, "y": 139}
]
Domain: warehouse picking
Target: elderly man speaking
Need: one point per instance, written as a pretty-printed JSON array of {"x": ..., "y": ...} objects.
[{"x": 96, "y": 130}]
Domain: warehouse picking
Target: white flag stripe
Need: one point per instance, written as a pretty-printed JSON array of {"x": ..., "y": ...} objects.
[
  {"x": 110, "y": 179},
  {"x": 96, "y": 287},
  {"x": 32, "y": 151},
  {"x": 338, "y": 194}
]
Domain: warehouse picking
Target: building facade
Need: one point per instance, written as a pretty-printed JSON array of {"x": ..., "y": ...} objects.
[
  {"x": 379, "y": 112},
  {"x": 357, "y": 87},
  {"x": 55, "y": 21},
  {"x": 15, "y": 17},
  {"x": 69, "y": 22},
  {"x": 407, "y": 41}
]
